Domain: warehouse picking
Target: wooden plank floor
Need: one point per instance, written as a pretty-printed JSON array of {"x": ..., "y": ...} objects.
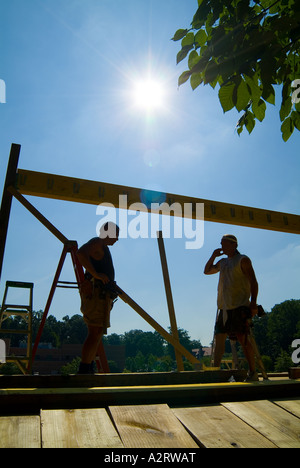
[
  {"x": 20, "y": 432},
  {"x": 273, "y": 422},
  {"x": 80, "y": 428},
  {"x": 216, "y": 427},
  {"x": 251, "y": 424},
  {"x": 150, "y": 426}
]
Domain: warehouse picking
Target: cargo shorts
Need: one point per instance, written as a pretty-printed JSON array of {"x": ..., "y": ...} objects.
[
  {"x": 96, "y": 305},
  {"x": 238, "y": 322}
]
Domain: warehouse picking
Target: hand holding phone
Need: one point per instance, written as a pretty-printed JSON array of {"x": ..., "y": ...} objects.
[{"x": 218, "y": 252}]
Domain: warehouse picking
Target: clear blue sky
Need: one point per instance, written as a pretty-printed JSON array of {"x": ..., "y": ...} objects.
[{"x": 69, "y": 68}]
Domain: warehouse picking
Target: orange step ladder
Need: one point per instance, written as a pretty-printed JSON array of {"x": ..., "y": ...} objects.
[{"x": 70, "y": 247}]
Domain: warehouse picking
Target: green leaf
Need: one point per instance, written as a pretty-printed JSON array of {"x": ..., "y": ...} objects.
[
  {"x": 184, "y": 77},
  {"x": 268, "y": 93},
  {"x": 201, "y": 15},
  {"x": 295, "y": 116},
  {"x": 249, "y": 122},
  {"x": 182, "y": 54},
  {"x": 242, "y": 10},
  {"x": 179, "y": 34},
  {"x": 240, "y": 129},
  {"x": 188, "y": 40},
  {"x": 286, "y": 108},
  {"x": 211, "y": 72},
  {"x": 243, "y": 96},
  {"x": 255, "y": 90},
  {"x": 287, "y": 128},
  {"x": 193, "y": 59},
  {"x": 259, "y": 109},
  {"x": 196, "y": 80},
  {"x": 200, "y": 38},
  {"x": 226, "y": 96}
]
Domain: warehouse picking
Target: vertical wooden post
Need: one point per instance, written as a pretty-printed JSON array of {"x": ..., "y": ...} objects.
[
  {"x": 7, "y": 197},
  {"x": 170, "y": 302}
]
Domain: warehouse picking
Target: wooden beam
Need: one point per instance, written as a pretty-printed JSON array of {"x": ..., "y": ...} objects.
[
  {"x": 7, "y": 197},
  {"x": 169, "y": 338},
  {"x": 30, "y": 400},
  {"x": 170, "y": 302},
  {"x": 92, "y": 192},
  {"x": 38, "y": 215}
]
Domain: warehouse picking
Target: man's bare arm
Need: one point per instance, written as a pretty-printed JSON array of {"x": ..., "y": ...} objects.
[
  {"x": 248, "y": 271},
  {"x": 93, "y": 249},
  {"x": 210, "y": 268}
]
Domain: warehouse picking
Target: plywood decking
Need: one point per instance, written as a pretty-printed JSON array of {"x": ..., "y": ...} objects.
[
  {"x": 20, "y": 432},
  {"x": 80, "y": 428},
  {"x": 150, "y": 426},
  {"x": 262, "y": 423},
  {"x": 273, "y": 422}
]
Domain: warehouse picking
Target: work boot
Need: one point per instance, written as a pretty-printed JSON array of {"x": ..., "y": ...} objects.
[
  {"x": 86, "y": 368},
  {"x": 252, "y": 377}
]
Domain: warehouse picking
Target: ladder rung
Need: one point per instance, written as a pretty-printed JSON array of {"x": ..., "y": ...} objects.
[
  {"x": 16, "y": 312},
  {"x": 67, "y": 282},
  {"x": 66, "y": 286},
  {"x": 19, "y": 284},
  {"x": 16, "y": 306},
  {"x": 16, "y": 358}
]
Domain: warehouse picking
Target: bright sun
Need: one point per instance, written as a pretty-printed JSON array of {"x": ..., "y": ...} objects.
[{"x": 148, "y": 94}]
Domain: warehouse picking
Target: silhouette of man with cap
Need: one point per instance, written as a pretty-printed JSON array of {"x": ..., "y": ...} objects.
[{"x": 237, "y": 296}]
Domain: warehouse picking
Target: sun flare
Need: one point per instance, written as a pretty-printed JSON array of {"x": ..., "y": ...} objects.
[{"x": 148, "y": 94}]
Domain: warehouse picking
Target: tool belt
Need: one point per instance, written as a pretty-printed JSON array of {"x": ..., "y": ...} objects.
[{"x": 89, "y": 285}]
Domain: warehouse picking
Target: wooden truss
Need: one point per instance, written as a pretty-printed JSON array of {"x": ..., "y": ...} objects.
[{"x": 21, "y": 182}]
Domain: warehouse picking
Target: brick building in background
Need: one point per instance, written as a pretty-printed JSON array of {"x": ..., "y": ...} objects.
[{"x": 50, "y": 360}]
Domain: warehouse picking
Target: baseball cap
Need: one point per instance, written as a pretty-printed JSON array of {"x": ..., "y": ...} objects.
[{"x": 230, "y": 237}]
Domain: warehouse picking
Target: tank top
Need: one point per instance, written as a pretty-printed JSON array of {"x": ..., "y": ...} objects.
[
  {"x": 234, "y": 287},
  {"x": 105, "y": 265}
]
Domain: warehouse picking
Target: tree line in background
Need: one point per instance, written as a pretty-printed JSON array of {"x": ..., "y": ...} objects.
[{"x": 149, "y": 352}]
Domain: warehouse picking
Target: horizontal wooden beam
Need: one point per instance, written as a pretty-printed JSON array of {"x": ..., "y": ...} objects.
[
  {"x": 31, "y": 400},
  {"x": 92, "y": 192}
]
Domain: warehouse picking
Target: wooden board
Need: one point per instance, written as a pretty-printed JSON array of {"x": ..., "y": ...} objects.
[
  {"x": 293, "y": 406},
  {"x": 276, "y": 424},
  {"x": 119, "y": 380},
  {"x": 31, "y": 400},
  {"x": 150, "y": 426},
  {"x": 79, "y": 428},
  {"x": 92, "y": 192},
  {"x": 216, "y": 427},
  {"x": 20, "y": 432}
]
